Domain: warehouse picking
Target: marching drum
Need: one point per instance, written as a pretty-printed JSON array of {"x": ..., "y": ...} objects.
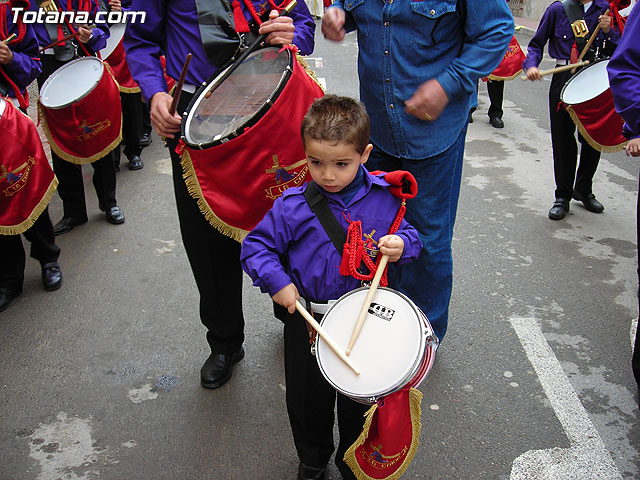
[
  {"x": 396, "y": 347},
  {"x": 80, "y": 110},
  {"x": 116, "y": 34},
  {"x": 588, "y": 99},
  {"x": 240, "y": 142}
]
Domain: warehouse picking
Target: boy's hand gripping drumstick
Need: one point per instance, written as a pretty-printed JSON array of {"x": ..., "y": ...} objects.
[
  {"x": 325, "y": 336},
  {"x": 367, "y": 302}
]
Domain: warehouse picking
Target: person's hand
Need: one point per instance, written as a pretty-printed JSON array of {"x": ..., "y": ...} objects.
[
  {"x": 279, "y": 29},
  {"x": 633, "y": 148},
  {"x": 6, "y": 55},
  {"x": 605, "y": 23},
  {"x": 533, "y": 74},
  {"x": 333, "y": 24},
  {"x": 84, "y": 34},
  {"x": 428, "y": 102},
  {"x": 115, "y": 5},
  {"x": 391, "y": 245},
  {"x": 163, "y": 122},
  {"x": 287, "y": 297}
]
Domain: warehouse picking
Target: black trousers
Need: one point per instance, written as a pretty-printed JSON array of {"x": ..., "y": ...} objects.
[
  {"x": 496, "y": 94},
  {"x": 13, "y": 258},
  {"x": 565, "y": 148},
  {"x": 146, "y": 119},
  {"x": 214, "y": 260},
  {"x": 132, "y": 108},
  {"x": 311, "y": 401},
  {"x": 71, "y": 184}
]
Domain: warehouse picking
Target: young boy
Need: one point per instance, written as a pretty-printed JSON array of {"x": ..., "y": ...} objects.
[{"x": 290, "y": 256}]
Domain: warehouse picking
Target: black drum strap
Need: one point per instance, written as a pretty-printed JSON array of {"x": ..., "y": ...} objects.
[
  {"x": 217, "y": 29},
  {"x": 320, "y": 207},
  {"x": 575, "y": 12}
]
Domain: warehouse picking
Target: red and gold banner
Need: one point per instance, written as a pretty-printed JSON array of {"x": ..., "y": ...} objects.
[
  {"x": 389, "y": 439},
  {"x": 118, "y": 62},
  {"x": 599, "y": 123},
  {"x": 237, "y": 182},
  {"x": 511, "y": 65},
  {"x": 26, "y": 179},
  {"x": 89, "y": 128}
]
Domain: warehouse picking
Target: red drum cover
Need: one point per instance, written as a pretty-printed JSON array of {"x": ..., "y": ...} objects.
[
  {"x": 89, "y": 128},
  {"x": 118, "y": 62},
  {"x": 26, "y": 179},
  {"x": 599, "y": 123},
  {"x": 236, "y": 182},
  {"x": 511, "y": 64}
]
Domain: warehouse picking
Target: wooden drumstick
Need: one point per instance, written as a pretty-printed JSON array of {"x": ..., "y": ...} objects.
[
  {"x": 591, "y": 39},
  {"x": 179, "y": 85},
  {"x": 68, "y": 37},
  {"x": 9, "y": 38},
  {"x": 563, "y": 68},
  {"x": 367, "y": 302},
  {"x": 325, "y": 336}
]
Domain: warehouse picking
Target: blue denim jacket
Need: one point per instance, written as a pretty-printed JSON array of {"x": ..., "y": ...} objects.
[{"x": 403, "y": 44}]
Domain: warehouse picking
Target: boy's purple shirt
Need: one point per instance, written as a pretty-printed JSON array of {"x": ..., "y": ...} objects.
[{"x": 290, "y": 234}]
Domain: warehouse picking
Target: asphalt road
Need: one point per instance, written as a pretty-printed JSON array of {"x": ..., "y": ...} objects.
[{"x": 100, "y": 379}]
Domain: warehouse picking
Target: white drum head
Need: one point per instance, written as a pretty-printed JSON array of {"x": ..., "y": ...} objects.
[
  {"x": 3, "y": 104},
  {"x": 71, "y": 82},
  {"x": 116, "y": 32},
  {"x": 586, "y": 84},
  {"x": 388, "y": 351}
]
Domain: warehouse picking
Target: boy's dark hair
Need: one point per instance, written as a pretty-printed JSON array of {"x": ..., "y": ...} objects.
[{"x": 337, "y": 119}]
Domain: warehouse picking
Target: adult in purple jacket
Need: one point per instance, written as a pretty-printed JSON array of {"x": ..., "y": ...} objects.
[
  {"x": 289, "y": 256},
  {"x": 171, "y": 28}
]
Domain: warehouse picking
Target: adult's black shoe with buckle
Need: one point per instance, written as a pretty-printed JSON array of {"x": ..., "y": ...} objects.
[
  {"x": 114, "y": 215},
  {"x": 145, "y": 140},
  {"x": 6, "y": 295},
  {"x": 307, "y": 472},
  {"x": 66, "y": 224},
  {"x": 218, "y": 368},
  {"x": 135, "y": 163},
  {"x": 51, "y": 276},
  {"x": 589, "y": 202},
  {"x": 559, "y": 209},
  {"x": 496, "y": 122}
]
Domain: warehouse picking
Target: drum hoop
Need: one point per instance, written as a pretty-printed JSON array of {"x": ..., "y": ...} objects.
[
  {"x": 574, "y": 76},
  {"x": 3, "y": 105},
  {"x": 425, "y": 344},
  {"x": 63, "y": 67},
  {"x": 253, "y": 119}
]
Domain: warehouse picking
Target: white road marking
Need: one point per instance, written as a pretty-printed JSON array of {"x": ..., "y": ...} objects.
[{"x": 587, "y": 458}]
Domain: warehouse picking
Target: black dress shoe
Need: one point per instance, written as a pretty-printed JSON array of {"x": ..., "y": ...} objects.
[
  {"x": 66, "y": 224},
  {"x": 559, "y": 209},
  {"x": 496, "y": 122},
  {"x": 589, "y": 202},
  {"x": 114, "y": 215},
  {"x": 145, "y": 140},
  {"x": 307, "y": 472},
  {"x": 135, "y": 163},
  {"x": 218, "y": 368},
  {"x": 51, "y": 276},
  {"x": 6, "y": 295}
]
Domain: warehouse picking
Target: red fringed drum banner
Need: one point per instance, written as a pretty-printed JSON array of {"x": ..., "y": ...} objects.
[
  {"x": 80, "y": 111},
  {"x": 26, "y": 179},
  {"x": 259, "y": 155},
  {"x": 599, "y": 123},
  {"x": 511, "y": 64},
  {"x": 389, "y": 439}
]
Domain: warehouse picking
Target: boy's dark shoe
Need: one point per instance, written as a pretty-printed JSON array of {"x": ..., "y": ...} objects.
[
  {"x": 145, "y": 141},
  {"x": 6, "y": 295},
  {"x": 589, "y": 202},
  {"x": 51, "y": 276},
  {"x": 135, "y": 163},
  {"x": 66, "y": 224},
  {"x": 496, "y": 122},
  {"x": 307, "y": 472},
  {"x": 218, "y": 368},
  {"x": 559, "y": 209}
]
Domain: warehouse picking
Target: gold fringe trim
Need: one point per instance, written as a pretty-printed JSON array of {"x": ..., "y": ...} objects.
[
  {"x": 504, "y": 79},
  {"x": 129, "y": 89},
  {"x": 589, "y": 138},
  {"x": 37, "y": 211},
  {"x": 307, "y": 69},
  {"x": 415, "y": 399},
  {"x": 72, "y": 158},
  {"x": 193, "y": 186}
]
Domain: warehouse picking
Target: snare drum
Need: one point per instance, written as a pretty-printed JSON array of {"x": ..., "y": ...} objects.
[
  {"x": 588, "y": 99},
  {"x": 241, "y": 145},
  {"x": 396, "y": 347},
  {"x": 80, "y": 111}
]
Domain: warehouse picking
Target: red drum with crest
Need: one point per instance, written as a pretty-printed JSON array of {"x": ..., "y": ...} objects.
[
  {"x": 80, "y": 111},
  {"x": 240, "y": 143}
]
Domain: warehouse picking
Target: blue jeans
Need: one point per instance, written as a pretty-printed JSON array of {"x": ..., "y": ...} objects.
[{"x": 428, "y": 280}]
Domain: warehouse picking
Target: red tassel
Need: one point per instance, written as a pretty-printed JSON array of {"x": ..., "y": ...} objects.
[
  {"x": 344, "y": 264},
  {"x": 241, "y": 23},
  {"x": 574, "y": 53}
]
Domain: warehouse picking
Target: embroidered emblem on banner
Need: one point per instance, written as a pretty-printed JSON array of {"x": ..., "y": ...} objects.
[
  {"x": 285, "y": 177},
  {"x": 18, "y": 178},
  {"x": 91, "y": 131},
  {"x": 377, "y": 460}
]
